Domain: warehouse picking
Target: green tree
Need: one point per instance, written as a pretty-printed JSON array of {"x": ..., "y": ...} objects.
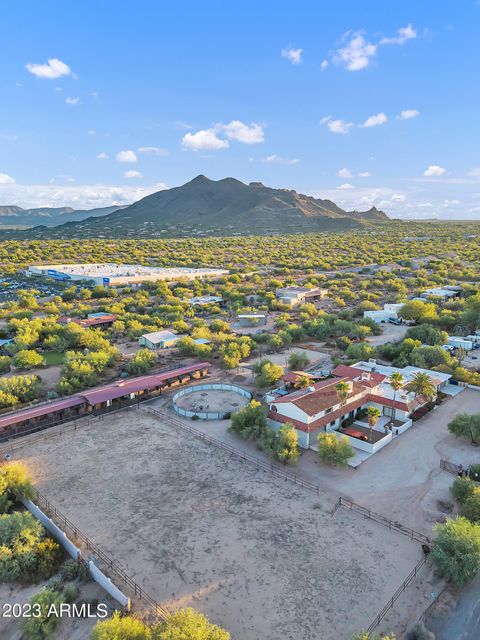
[
  {"x": 27, "y": 359},
  {"x": 421, "y": 385},
  {"x": 462, "y": 488},
  {"x": 15, "y": 482},
  {"x": 121, "y": 628},
  {"x": 333, "y": 450},
  {"x": 471, "y": 506},
  {"x": 298, "y": 361},
  {"x": 343, "y": 390},
  {"x": 141, "y": 362},
  {"x": 373, "y": 415},
  {"x": 288, "y": 450},
  {"x": 250, "y": 422},
  {"x": 5, "y": 362},
  {"x": 466, "y": 425},
  {"x": 396, "y": 382},
  {"x": 456, "y": 550}
]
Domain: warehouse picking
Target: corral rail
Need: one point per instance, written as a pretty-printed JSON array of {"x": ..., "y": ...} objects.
[{"x": 50, "y": 509}]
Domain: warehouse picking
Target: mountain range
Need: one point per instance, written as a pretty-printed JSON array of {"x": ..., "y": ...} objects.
[
  {"x": 11, "y": 215},
  {"x": 204, "y": 207}
]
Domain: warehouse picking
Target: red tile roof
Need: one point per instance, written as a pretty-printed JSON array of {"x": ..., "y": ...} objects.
[
  {"x": 40, "y": 410},
  {"x": 369, "y": 379},
  {"x": 132, "y": 385}
]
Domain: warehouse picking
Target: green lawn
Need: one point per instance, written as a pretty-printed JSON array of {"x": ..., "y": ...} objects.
[{"x": 53, "y": 357}]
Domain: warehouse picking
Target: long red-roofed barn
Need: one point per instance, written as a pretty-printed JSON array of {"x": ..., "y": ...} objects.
[{"x": 117, "y": 394}]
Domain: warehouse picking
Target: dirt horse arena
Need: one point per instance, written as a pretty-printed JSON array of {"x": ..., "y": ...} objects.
[
  {"x": 212, "y": 400},
  {"x": 197, "y": 527}
]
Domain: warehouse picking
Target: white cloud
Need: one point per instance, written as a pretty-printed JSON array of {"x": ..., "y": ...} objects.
[
  {"x": 337, "y": 126},
  {"x": 102, "y": 156},
  {"x": 248, "y": 134},
  {"x": 54, "y": 68},
  {"x": 357, "y": 54},
  {"x": 324, "y": 64},
  {"x": 126, "y": 156},
  {"x": 76, "y": 196},
  {"x": 73, "y": 101},
  {"x": 294, "y": 55},
  {"x": 424, "y": 205},
  {"x": 6, "y": 179},
  {"x": 399, "y": 197},
  {"x": 156, "y": 151},
  {"x": 408, "y": 114},
  {"x": 434, "y": 171},
  {"x": 132, "y": 174},
  {"x": 474, "y": 172},
  {"x": 202, "y": 140},
  {"x": 364, "y": 174},
  {"x": 404, "y": 34},
  {"x": 209, "y": 139},
  {"x": 375, "y": 121},
  {"x": 280, "y": 160},
  {"x": 344, "y": 173},
  {"x": 345, "y": 186}
]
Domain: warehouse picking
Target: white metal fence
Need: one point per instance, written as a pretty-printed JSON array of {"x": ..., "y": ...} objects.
[{"x": 207, "y": 415}]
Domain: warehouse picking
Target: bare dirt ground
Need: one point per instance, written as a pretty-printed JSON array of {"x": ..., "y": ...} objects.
[
  {"x": 194, "y": 526},
  {"x": 214, "y": 400},
  {"x": 281, "y": 358}
]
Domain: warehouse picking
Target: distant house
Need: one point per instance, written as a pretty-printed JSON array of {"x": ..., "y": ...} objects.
[
  {"x": 295, "y": 296},
  {"x": 202, "y": 341},
  {"x": 389, "y": 311},
  {"x": 94, "y": 320},
  {"x": 202, "y": 301},
  {"x": 158, "y": 340},
  {"x": 440, "y": 292}
]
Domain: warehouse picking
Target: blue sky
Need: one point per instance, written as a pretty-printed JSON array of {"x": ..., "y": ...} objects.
[{"x": 362, "y": 102}]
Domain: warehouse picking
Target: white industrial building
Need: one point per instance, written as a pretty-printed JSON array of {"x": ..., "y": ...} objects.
[{"x": 115, "y": 275}]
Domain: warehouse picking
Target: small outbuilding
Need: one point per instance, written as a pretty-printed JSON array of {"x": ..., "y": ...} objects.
[{"x": 158, "y": 340}]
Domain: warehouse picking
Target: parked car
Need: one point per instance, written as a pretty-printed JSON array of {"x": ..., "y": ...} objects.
[{"x": 355, "y": 434}]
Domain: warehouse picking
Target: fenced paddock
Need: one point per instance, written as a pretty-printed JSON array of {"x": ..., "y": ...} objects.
[
  {"x": 213, "y": 401},
  {"x": 194, "y": 525}
]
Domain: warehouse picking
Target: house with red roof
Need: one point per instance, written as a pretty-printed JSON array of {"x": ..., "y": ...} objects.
[{"x": 319, "y": 408}]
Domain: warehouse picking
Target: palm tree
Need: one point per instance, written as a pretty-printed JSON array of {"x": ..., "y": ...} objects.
[
  {"x": 302, "y": 382},
  {"x": 373, "y": 414},
  {"x": 343, "y": 389},
  {"x": 396, "y": 382},
  {"x": 421, "y": 385}
]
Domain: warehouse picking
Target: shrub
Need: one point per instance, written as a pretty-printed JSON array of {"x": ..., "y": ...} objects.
[
  {"x": 121, "y": 628},
  {"x": 70, "y": 593},
  {"x": 27, "y": 359},
  {"x": 471, "y": 505},
  {"x": 187, "y": 624},
  {"x": 420, "y": 632},
  {"x": 250, "y": 422},
  {"x": 15, "y": 481},
  {"x": 75, "y": 569},
  {"x": 334, "y": 451},
  {"x": 142, "y": 361},
  {"x": 462, "y": 488},
  {"x": 456, "y": 552},
  {"x": 287, "y": 450},
  {"x": 43, "y": 626},
  {"x": 25, "y": 551}
]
